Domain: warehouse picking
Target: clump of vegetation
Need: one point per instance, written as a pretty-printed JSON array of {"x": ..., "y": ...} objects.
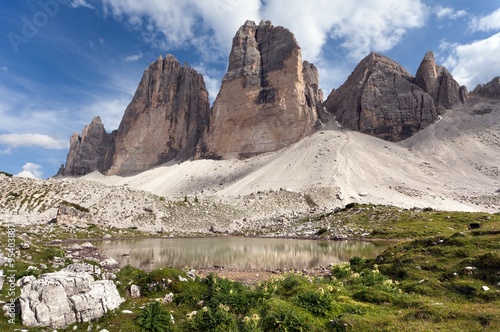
[
  {"x": 446, "y": 278},
  {"x": 76, "y": 206},
  {"x": 153, "y": 318}
]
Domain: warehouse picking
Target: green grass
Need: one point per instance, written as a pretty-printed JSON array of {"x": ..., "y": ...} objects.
[{"x": 432, "y": 279}]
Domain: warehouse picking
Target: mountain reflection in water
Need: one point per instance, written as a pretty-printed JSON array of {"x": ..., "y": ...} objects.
[{"x": 236, "y": 252}]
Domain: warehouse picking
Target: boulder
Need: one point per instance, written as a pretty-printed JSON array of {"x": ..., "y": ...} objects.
[
  {"x": 269, "y": 98},
  {"x": 62, "y": 298},
  {"x": 135, "y": 291},
  {"x": 68, "y": 215}
]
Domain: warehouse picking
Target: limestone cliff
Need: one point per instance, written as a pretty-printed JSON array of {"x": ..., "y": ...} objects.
[
  {"x": 489, "y": 90},
  {"x": 379, "y": 98},
  {"x": 268, "y": 99},
  {"x": 165, "y": 119},
  {"x": 439, "y": 83},
  {"x": 89, "y": 152}
]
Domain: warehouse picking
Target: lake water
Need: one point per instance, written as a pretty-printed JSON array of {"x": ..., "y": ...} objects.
[{"x": 236, "y": 252}]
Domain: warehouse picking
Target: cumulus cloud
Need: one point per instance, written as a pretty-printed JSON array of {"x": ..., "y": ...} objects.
[
  {"x": 361, "y": 26},
  {"x": 133, "y": 57},
  {"x": 448, "y": 12},
  {"x": 487, "y": 23},
  {"x": 31, "y": 170},
  {"x": 179, "y": 21},
  {"x": 471, "y": 64},
  {"x": 81, "y": 3},
  {"x": 33, "y": 140}
]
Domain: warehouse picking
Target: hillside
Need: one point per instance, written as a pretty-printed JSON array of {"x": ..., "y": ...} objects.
[{"x": 450, "y": 165}]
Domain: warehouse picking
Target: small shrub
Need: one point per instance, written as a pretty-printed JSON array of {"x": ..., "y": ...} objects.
[
  {"x": 321, "y": 231},
  {"x": 358, "y": 263},
  {"x": 316, "y": 301},
  {"x": 153, "y": 318},
  {"x": 208, "y": 320},
  {"x": 341, "y": 271},
  {"x": 281, "y": 316}
]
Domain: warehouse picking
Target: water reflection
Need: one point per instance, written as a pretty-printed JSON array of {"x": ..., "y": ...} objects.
[{"x": 236, "y": 252}]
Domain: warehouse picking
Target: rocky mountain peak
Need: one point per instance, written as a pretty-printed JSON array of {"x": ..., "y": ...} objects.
[
  {"x": 165, "y": 120},
  {"x": 379, "y": 98},
  {"x": 439, "y": 83},
  {"x": 489, "y": 90},
  {"x": 268, "y": 99},
  {"x": 89, "y": 152}
]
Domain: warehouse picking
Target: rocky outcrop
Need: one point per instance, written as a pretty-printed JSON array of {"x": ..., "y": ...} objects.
[
  {"x": 268, "y": 99},
  {"x": 439, "y": 83},
  {"x": 165, "y": 119},
  {"x": 62, "y": 298},
  {"x": 89, "y": 152},
  {"x": 489, "y": 90},
  {"x": 70, "y": 216},
  {"x": 379, "y": 98}
]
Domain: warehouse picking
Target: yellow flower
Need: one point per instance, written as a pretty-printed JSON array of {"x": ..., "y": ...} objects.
[{"x": 255, "y": 317}]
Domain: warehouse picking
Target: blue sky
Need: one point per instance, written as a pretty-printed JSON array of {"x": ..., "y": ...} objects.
[{"x": 62, "y": 62}]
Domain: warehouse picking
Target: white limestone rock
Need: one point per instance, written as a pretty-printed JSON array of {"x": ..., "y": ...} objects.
[{"x": 61, "y": 298}]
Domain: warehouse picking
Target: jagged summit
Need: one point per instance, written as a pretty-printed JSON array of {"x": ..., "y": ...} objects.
[
  {"x": 489, "y": 90},
  {"x": 269, "y": 97},
  {"x": 439, "y": 83},
  {"x": 164, "y": 121},
  {"x": 381, "y": 98},
  {"x": 89, "y": 152}
]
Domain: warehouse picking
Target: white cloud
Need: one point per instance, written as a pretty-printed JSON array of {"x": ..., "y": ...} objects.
[
  {"x": 487, "y": 23},
  {"x": 471, "y": 64},
  {"x": 209, "y": 24},
  {"x": 134, "y": 57},
  {"x": 33, "y": 140},
  {"x": 6, "y": 151},
  {"x": 448, "y": 12},
  {"x": 81, "y": 3},
  {"x": 361, "y": 26},
  {"x": 31, "y": 170}
]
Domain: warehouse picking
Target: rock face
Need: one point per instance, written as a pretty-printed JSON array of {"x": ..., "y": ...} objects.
[
  {"x": 381, "y": 98},
  {"x": 165, "y": 119},
  {"x": 439, "y": 83},
  {"x": 268, "y": 99},
  {"x": 89, "y": 152},
  {"x": 71, "y": 216},
  {"x": 62, "y": 298},
  {"x": 489, "y": 90}
]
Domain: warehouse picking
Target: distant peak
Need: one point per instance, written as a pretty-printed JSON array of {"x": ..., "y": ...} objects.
[{"x": 96, "y": 120}]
